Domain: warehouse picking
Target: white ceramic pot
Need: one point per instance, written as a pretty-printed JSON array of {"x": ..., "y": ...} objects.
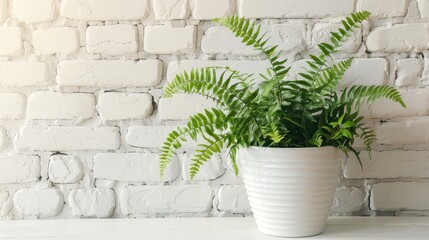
[{"x": 290, "y": 189}]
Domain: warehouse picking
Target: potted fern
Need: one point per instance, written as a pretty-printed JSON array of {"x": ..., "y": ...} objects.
[{"x": 289, "y": 133}]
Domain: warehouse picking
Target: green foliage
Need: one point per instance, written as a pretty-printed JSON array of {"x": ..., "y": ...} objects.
[{"x": 278, "y": 112}]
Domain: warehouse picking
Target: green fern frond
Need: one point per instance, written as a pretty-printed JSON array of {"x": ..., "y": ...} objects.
[
  {"x": 204, "y": 153},
  {"x": 210, "y": 121},
  {"x": 361, "y": 94},
  {"x": 329, "y": 78}
]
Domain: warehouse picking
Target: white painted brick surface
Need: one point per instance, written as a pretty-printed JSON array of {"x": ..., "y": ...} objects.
[
  {"x": 321, "y": 33},
  {"x": 417, "y": 101},
  {"x": 135, "y": 200},
  {"x": 348, "y": 199},
  {"x": 294, "y": 8},
  {"x": 5, "y": 205},
  {"x": 399, "y": 38},
  {"x": 4, "y": 138},
  {"x": 65, "y": 169},
  {"x": 133, "y": 167},
  {"x": 111, "y": 40},
  {"x": 158, "y": 39},
  {"x": 39, "y": 202},
  {"x": 182, "y": 106},
  {"x": 425, "y": 73},
  {"x": 54, "y": 138},
  {"x": 102, "y": 10},
  {"x": 12, "y": 106},
  {"x": 171, "y": 9},
  {"x": 245, "y": 66},
  {"x": 54, "y": 105},
  {"x": 23, "y": 74},
  {"x": 408, "y": 72},
  {"x": 220, "y": 40},
  {"x": 208, "y": 9},
  {"x": 11, "y": 41},
  {"x": 389, "y": 164},
  {"x": 400, "y": 196},
  {"x": 109, "y": 73},
  {"x": 376, "y": 72},
  {"x": 92, "y": 202},
  {"x": 423, "y": 6},
  {"x": 211, "y": 170},
  {"x": 62, "y": 40},
  {"x": 120, "y": 106},
  {"x": 403, "y": 132},
  {"x": 34, "y": 11},
  {"x": 233, "y": 199},
  {"x": 148, "y": 136},
  {"x": 3, "y": 10},
  {"x": 19, "y": 169},
  {"x": 384, "y": 8}
]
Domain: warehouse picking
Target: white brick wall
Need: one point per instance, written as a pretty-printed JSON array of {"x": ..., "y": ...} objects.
[
  {"x": 34, "y": 11},
  {"x": 60, "y": 40},
  {"x": 11, "y": 39},
  {"x": 120, "y": 106},
  {"x": 82, "y": 119},
  {"x": 158, "y": 39},
  {"x": 54, "y": 105},
  {"x": 111, "y": 40}
]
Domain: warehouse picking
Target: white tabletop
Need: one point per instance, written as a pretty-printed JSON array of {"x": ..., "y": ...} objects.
[{"x": 344, "y": 228}]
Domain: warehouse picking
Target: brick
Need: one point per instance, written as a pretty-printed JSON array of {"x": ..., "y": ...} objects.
[
  {"x": 423, "y": 6},
  {"x": 182, "y": 106},
  {"x": 39, "y": 202},
  {"x": 425, "y": 73},
  {"x": 171, "y": 9},
  {"x": 400, "y": 196},
  {"x": 12, "y": 105},
  {"x": 148, "y": 136},
  {"x": 408, "y": 72},
  {"x": 4, "y": 138},
  {"x": 294, "y": 8},
  {"x": 67, "y": 138},
  {"x": 376, "y": 72},
  {"x": 120, "y": 106},
  {"x": 111, "y": 40},
  {"x": 19, "y": 168},
  {"x": 157, "y": 39},
  {"x": 399, "y": 38},
  {"x": 384, "y": 8},
  {"x": 220, "y": 40},
  {"x": 417, "y": 101},
  {"x": 23, "y": 74},
  {"x": 24, "y": 10},
  {"x": 233, "y": 199},
  {"x": 348, "y": 199},
  {"x": 403, "y": 132},
  {"x": 103, "y": 10},
  {"x": 165, "y": 199},
  {"x": 389, "y": 164},
  {"x": 92, "y": 202},
  {"x": 322, "y": 33},
  {"x": 5, "y": 205},
  {"x": 208, "y": 9},
  {"x": 65, "y": 169},
  {"x": 11, "y": 41},
  {"x": 211, "y": 169},
  {"x": 133, "y": 167},
  {"x": 55, "y": 105},
  {"x": 244, "y": 66},
  {"x": 61, "y": 40},
  {"x": 109, "y": 73},
  {"x": 3, "y": 10}
]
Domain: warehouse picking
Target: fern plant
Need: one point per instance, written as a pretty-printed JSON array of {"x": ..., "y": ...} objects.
[{"x": 278, "y": 112}]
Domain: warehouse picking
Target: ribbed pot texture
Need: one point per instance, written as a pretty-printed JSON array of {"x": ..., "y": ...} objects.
[{"x": 290, "y": 190}]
